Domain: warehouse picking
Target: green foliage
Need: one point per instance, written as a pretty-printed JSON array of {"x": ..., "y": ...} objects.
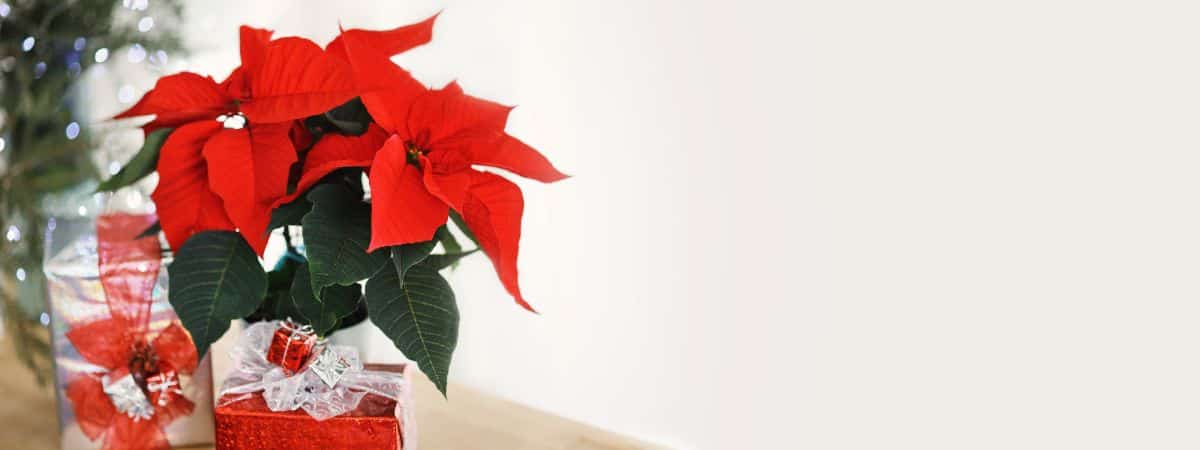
[
  {"x": 151, "y": 230},
  {"x": 420, "y": 316},
  {"x": 462, "y": 226},
  {"x": 404, "y": 257},
  {"x": 336, "y": 234},
  {"x": 214, "y": 279},
  {"x": 142, "y": 164},
  {"x": 442, "y": 261},
  {"x": 446, "y": 238},
  {"x": 278, "y": 303},
  {"x": 350, "y": 118},
  {"x": 323, "y": 312},
  {"x": 289, "y": 213}
]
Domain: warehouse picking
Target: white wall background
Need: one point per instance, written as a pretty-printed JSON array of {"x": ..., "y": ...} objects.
[{"x": 828, "y": 225}]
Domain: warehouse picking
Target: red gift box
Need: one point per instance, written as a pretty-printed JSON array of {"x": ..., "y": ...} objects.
[
  {"x": 376, "y": 423},
  {"x": 126, "y": 370},
  {"x": 291, "y": 346}
]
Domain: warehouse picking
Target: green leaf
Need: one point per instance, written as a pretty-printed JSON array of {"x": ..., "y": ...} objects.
[
  {"x": 142, "y": 164},
  {"x": 350, "y": 118},
  {"x": 215, "y": 278},
  {"x": 151, "y": 230},
  {"x": 358, "y": 316},
  {"x": 449, "y": 242},
  {"x": 420, "y": 317},
  {"x": 289, "y": 213},
  {"x": 462, "y": 226},
  {"x": 326, "y": 311},
  {"x": 408, "y": 255},
  {"x": 336, "y": 234},
  {"x": 278, "y": 304},
  {"x": 442, "y": 261}
]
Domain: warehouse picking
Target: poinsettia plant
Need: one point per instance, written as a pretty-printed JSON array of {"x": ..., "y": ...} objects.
[{"x": 285, "y": 142}]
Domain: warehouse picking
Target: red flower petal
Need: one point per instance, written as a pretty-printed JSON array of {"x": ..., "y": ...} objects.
[
  {"x": 174, "y": 347},
  {"x": 451, "y": 188},
  {"x": 296, "y": 80},
  {"x": 447, "y": 113},
  {"x": 402, "y": 210},
  {"x": 336, "y": 151},
  {"x": 388, "y": 42},
  {"x": 235, "y": 85},
  {"x": 94, "y": 412},
  {"x": 178, "y": 99},
  {"x": 105, "y": 343},
  {"x": 301, "y": 137},
  {"x": 509, "y": 153},
  {"x": 248, "y": 169},
  {"x": 186, "y": 204},
  {"x": 474, "y": 128},
  {"x": 253, "y": 46},
  {"x": 492, "y": 210},
  {"x": 387, "y": 90}
]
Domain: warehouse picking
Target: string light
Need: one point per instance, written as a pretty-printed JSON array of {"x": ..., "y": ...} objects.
[
  {"x": 72, "y": 130},
  {"x": 82, "y": 211},
  {"x": 114, "y": 167},
  {"x": 44, "y": 319},
  {"x": 20, "y": 274},
  {"x": 3, "y": 144},
  {"x": 72, "y": 57},
  {"x": 39, "y": 69},
  {"x": 159, "y": 57},
  {"x": 80, "y": 43},
  {"x": 137, "y": 53},
  {"x": 102, "y": 55},
  {"x": 27, "y": 44},
  {"x": 145, "y": 24},
  {"x": 13, "y": 234},
  {"x": 4, "y": 9}
]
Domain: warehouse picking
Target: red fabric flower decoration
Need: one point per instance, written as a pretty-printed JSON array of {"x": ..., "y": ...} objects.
[
  {"x": 112, "y": 345},
  {"x": 227, "y": 162},
  {"x": 425, "y": 167},
  {"x": 122, "y": 346}
]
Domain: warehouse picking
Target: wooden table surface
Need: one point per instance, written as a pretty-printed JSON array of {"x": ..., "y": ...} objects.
[{"x": 471, "y": 420}]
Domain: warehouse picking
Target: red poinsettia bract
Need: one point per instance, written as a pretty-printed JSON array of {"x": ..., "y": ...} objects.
[
  {"x": 425, "y": 168},
  {"x": 336, "y": 151},
  {"x": 227, "y": 162}
]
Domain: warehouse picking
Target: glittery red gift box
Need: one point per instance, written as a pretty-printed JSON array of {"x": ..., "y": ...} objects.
[
  {"x": 249, "y": 425},
  {"x": 290, "y": 347}
]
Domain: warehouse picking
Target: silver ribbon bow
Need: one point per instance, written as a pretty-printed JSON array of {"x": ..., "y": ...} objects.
[
  {"x": 128, "y": 398},
  {"x": 332, "y": 385}
]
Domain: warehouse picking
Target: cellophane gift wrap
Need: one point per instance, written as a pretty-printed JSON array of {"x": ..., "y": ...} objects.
[
  {"x": 126, "y": 370},
  {"x": 289, "y": 390}
]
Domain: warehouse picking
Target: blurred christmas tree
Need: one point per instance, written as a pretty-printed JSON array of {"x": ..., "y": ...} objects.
[{"x": 46, "y": 47}]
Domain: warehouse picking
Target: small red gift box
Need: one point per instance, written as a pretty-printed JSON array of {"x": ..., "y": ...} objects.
[
  {"x": 291, "y": 346},
  {"x": 377, "y": 423}
]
